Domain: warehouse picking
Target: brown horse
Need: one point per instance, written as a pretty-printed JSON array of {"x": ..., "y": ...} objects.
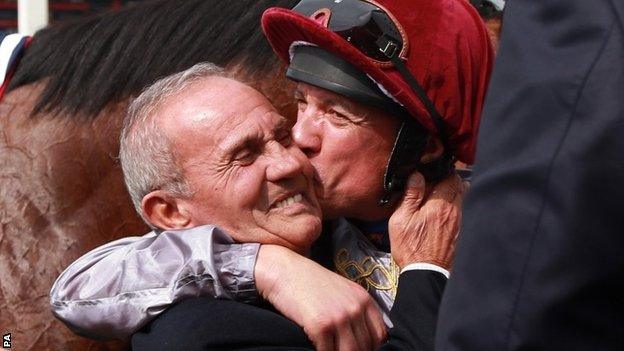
[{"x": 61, "y": 187}]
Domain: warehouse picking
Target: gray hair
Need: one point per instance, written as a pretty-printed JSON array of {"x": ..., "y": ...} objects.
[{"x": 147, "y": 159}]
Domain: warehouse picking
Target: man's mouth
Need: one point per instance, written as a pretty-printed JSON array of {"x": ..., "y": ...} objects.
[{"x": 288, "y": 201}]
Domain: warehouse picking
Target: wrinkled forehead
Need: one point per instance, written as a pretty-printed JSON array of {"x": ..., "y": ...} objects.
[
  {"x": 323, "y": 95},
  {"x": 216, "y": 111},
  {"x": 218, "y": 101},
  {"x": 360, "y": 111}
]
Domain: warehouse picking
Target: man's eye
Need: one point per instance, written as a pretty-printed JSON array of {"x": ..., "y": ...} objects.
[
  {"x": 340, "y": 119},
  {"x": 244, "y": 158},
  {"x": 285, "y": 140},
  {"x": 301, "y": 104},
  {"x": 341, "y": 116}
]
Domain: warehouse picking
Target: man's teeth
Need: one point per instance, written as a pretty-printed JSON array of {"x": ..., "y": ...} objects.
[{"x": 289, "y": 201}]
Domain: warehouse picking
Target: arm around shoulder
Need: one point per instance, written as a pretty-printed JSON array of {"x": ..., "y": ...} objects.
[{"x": 115, "y": 289}]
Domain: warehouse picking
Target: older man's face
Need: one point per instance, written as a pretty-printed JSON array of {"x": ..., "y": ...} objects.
[
  {"x": 236, "y": 154},
  {"x": 348, "y": 145}
]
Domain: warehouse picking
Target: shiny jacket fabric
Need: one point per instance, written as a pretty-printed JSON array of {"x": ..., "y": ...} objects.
[{"x": 114, "y": 290}]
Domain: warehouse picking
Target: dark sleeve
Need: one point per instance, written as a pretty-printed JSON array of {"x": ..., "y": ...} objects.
[
  {"x": 539, "y": 263},
  {"x": 210, "y": 324},
  {"x": 415, "y": 311}
]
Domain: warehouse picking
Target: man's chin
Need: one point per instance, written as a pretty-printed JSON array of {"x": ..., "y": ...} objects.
[
  {"x": 305, "y": 231},
  {"x": 301, "y": 228},
  {"x": 311, "y": 226}
]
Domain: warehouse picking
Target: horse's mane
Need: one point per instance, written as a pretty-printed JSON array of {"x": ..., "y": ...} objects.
[{"x": 91, "y": 62}]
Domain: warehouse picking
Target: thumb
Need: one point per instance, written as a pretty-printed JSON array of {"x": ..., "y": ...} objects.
[{"x": 414, "y": 191}]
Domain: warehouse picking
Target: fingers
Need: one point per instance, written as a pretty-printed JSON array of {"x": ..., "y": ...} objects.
[
  {"x": 350, "y": 336},
  {"x": 362, "y": 334},
  {"x": 346, "y": 339},
  {"x": 364, "y": 323},
  {"x": 323, "y": 339},
  {"x": 376, "y": 326},
  {"x": 448, "y": 189},
  {"x": 414, "y": 191},
  {"x": 362, "y": 328},
  {"x": 358, "y": 327}
]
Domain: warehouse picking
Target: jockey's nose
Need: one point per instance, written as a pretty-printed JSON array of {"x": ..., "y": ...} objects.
[{"x": 307, "y": 133}]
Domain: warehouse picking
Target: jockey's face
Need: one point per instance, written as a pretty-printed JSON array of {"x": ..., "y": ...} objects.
[
  {"x": 246, "y": 175},
  {"x": 348, "y": 145}
]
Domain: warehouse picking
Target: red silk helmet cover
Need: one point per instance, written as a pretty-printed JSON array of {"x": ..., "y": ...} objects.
[{"x": 448, "y": 52}]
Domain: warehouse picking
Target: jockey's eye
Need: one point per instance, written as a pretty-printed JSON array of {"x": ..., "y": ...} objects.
[{"x": 284, "y": 139}]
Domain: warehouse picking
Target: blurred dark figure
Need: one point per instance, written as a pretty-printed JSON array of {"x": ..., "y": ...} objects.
[{"x": 539, "y": 264}]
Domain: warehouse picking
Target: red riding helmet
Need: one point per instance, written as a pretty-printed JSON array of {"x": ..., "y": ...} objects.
[{"x": 432, "y": 57}]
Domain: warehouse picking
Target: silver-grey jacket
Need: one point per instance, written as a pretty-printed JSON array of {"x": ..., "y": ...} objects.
[{"x": 115, "y": 289}]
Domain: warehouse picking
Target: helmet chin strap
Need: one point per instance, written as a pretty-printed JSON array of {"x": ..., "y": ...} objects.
[
  {"x": 409, "y": 145},
  {"x": 411, "y": 140}
]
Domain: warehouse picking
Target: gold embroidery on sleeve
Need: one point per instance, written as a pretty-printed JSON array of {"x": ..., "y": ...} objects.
[{"x": 362, "y": 272}]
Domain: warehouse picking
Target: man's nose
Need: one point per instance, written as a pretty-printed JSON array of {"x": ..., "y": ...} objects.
[
  {"x": 306, "y": 133},
  {"x": 284, "y": 163}
]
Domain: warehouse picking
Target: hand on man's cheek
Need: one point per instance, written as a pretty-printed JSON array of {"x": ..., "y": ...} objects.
[{"x": 424, "y": 227}]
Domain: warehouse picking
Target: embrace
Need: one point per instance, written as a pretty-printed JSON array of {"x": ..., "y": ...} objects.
[{"x": 252, "y": 213}]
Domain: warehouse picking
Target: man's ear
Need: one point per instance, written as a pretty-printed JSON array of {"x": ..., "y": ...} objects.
[
  {"x": 433, "y": 150},
  {"x": 163, "y": 211}
]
